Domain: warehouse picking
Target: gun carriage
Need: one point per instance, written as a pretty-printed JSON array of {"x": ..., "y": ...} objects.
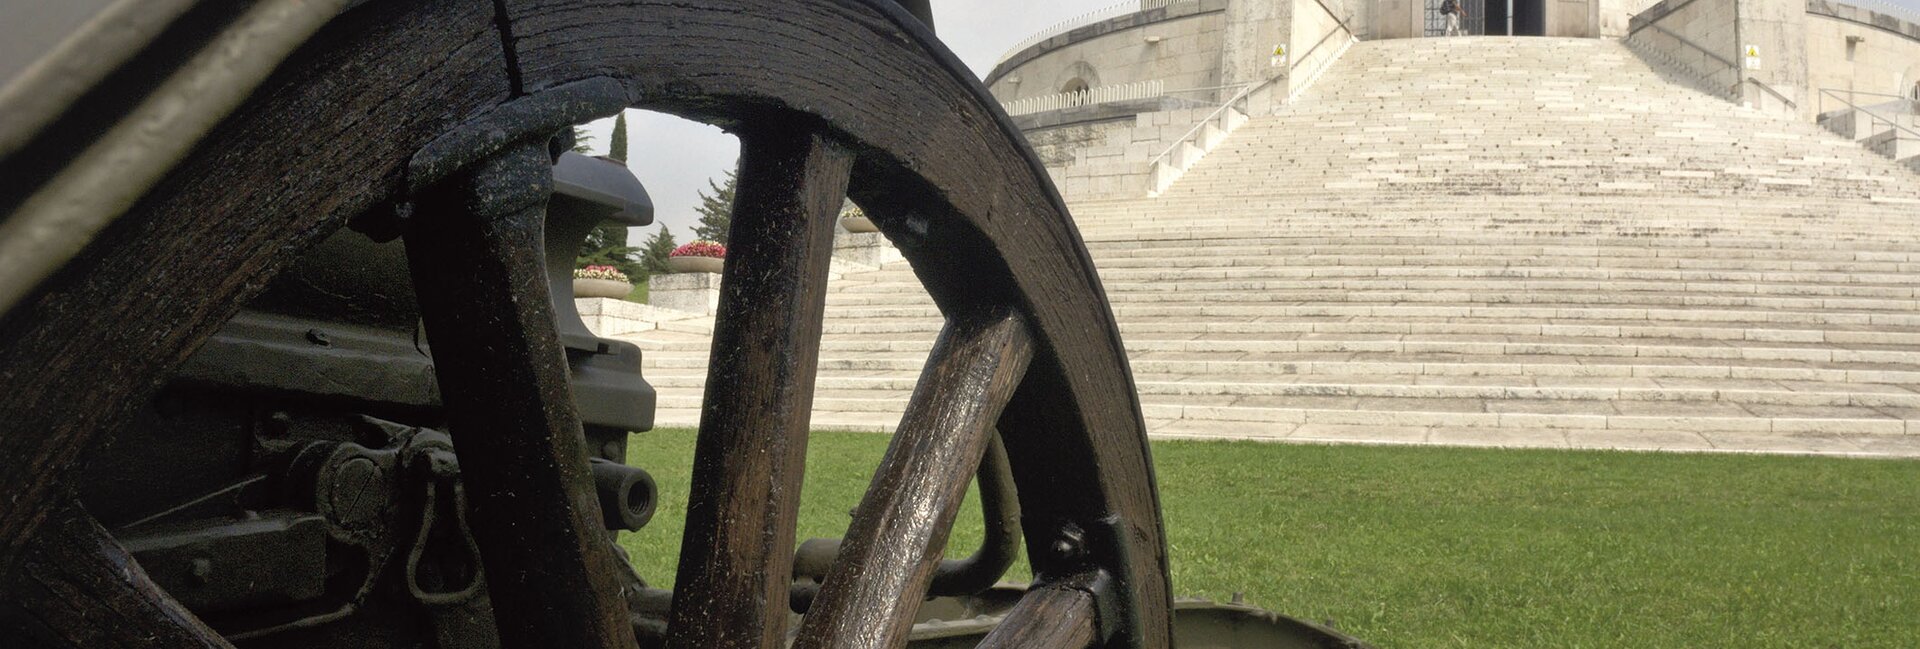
[{"x": 288, "y": 356}]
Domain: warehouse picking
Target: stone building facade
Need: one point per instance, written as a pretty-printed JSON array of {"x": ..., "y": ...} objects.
[{"x": 1217, "y": 61}]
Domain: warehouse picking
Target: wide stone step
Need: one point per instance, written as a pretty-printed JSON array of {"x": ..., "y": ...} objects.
[
  {"x": 1270, "y": 389},
  {"x": 1254, "y": 302},
  {"x": 1632, "y": 439},
  {"x": 907, "y": 365},
  {"x": 1386, "y": 416},
  {"x": 1880, "y": 330},
  {"x": 1239, "y": 248},
  {"x": 1386, "y": 308},
  {"x": 1570, "y": 349},
  {"x": 1174, "y": 286}
]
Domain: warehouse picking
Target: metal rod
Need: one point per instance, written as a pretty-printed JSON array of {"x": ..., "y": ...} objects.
[
  {"x": 74, "y": 586},
  {"x": 1000, "y": 504}
]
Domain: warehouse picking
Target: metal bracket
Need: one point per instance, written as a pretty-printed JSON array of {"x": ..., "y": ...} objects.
[
  {"x": 538, "y": 115},
  {"x": 1071, "y": 561}
]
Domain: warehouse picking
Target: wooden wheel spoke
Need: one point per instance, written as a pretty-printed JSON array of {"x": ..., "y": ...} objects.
[
  {"x": 887, "y": 560},
  {"x": 475, "y": 252},
  {"x": 737, "y": 554},
  {"x": 77, "y": 586},
  {"x": 1055, "y": 617}
]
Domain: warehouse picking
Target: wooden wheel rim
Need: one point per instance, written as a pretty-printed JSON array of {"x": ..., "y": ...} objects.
[{"x": 969, "y": 207}]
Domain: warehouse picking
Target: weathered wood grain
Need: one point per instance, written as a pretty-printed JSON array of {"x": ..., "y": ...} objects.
[
  {"x": 736, "y": 558},
  {"x": 74, "y": 586},
  {"x": 323, "y": 140},
  {"x": 1047, "y": 618},
  {"x": 888, "y": 556},
  {"x": 947, "y": 179},
  {"x": 944, "y": 175},
  {"x": 474, "y": 248}
]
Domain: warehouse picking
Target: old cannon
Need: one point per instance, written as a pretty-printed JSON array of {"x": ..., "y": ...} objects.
[{"x": 287, "y": 358}]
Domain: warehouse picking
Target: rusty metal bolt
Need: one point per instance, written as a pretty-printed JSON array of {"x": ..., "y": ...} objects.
[
  {"x": 1071, "y": 544},
  {"x": 202, "y": 571},
  {"x": 357, "y": 494}
]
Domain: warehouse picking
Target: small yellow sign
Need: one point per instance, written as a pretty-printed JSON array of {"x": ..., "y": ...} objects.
[{"x": 1753, "y": 51}]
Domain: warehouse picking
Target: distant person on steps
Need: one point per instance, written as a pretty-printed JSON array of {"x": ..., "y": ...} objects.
[{"x": 1455, "y": 13}]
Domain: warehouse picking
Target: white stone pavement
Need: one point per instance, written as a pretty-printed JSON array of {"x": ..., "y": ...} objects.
[{"x": 1475, "y": 241}]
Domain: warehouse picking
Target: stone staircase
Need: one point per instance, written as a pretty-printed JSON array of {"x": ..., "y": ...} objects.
[
  {"x": 1890, "y": 128},
  {"x": 1491, "y": 241}
]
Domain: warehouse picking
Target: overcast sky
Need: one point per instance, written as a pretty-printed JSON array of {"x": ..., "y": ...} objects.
[{"x": 675, "y": 158}]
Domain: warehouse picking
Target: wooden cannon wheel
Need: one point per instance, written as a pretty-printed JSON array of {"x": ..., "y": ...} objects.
[{"x": 831, "y": 99}]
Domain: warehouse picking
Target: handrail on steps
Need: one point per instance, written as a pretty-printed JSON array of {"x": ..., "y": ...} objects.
[
  {"x": 1683, "y": 41},
  {"x": 1731, "y": 66},
  {"x": 1299, "y": 60},
  {"x": 1209, "y": 119},
  {"x": 1825, "y": 92},
  {"x": 1869, "y": 94},
  {"x": 1763, "y": 86}
]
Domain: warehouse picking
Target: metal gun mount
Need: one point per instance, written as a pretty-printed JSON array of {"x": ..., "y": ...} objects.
[{"x": 326, "y": 487}]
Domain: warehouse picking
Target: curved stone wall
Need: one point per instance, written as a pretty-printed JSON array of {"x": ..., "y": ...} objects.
[
  {"x": 1857, "y": 49},
  {"x": 1179, "y": 44}
]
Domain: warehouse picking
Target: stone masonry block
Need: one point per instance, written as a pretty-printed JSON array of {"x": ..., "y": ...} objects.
[{"x": 697, "y": 293}]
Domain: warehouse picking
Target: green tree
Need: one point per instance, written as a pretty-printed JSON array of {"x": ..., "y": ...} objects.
[
  {"x": 607, "y": 246},
  {"x": 582, "y": 143},
  {"x": 716, "y": 210},
  {"x": 617, "y": 149},
  {"x": 653, "y": 253}
]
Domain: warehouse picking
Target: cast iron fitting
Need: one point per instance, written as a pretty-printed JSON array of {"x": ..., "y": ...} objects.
[{"x": 627, "y": 494}]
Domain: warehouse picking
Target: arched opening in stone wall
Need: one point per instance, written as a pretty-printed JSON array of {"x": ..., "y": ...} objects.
[
  {"x": 1908, "y": 85},
  {"x": 1076, "y": 78},
  {"x": 1074, "y": 85}
]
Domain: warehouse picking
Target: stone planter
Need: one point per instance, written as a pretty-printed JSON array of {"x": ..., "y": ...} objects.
[
  {"x": 858, "y": 224},
  {"x": 869, "y": 248},
  {"x": 695, "y": 264},
  {"x": 696, "y": 293},
  {"x": 607, "y": 288}
]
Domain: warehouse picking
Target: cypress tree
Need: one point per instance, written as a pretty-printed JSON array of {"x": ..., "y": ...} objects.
[
  {"x": 607, "y": 245},
  {"x": 716, "y": 210},
  {"x": 617, "y": 149}
]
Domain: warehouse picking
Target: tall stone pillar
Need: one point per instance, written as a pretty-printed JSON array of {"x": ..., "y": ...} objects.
[
  {"x": 1254, "y": 28},
  {"x": 1776, "y": 29}
]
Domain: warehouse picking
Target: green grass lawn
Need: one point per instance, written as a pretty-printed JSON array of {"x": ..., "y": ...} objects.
[{"x": 1440, "y": 547}]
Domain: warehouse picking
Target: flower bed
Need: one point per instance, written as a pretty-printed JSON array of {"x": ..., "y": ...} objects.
[
  {"x": 601, "y": 272},
  {"x": 700, "y": 248}
]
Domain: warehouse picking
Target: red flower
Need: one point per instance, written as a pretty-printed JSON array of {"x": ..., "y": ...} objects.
[{"x": 700, "y": 248}]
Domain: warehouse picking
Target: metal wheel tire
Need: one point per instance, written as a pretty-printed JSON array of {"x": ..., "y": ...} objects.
[{"x": 830, "y": 98}]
